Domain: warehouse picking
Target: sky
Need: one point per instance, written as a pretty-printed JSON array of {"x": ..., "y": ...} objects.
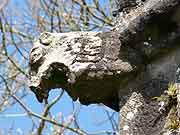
[{"x": 91, "y": 118}]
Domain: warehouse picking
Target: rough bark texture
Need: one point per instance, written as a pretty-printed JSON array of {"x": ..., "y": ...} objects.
[{"x": 123, "y": 69}]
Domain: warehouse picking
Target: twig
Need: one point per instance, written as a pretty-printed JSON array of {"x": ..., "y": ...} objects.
[
  {"x": 45, "y": 113},
  {"x": 4, "y": 3},
  {"x": 78, "y": 131},
  {"x": 6, "y": 53},
  {"x": 111, "y": 120},
  {"x": 9, "y": 92}
]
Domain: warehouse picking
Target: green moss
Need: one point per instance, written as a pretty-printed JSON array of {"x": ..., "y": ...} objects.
[
  {"x": 173, "y": 122},
  {"x": 170, "y": 95},
  {"x": 172, "y": 91},
  {"x": 170, "y": 99}
]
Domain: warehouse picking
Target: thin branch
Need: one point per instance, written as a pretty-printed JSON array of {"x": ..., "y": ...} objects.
[
  {"x": 3, "y": 4},
  {"x": 111, "y": 120},
  {"x": 10, "y": 92},
  {"x": 78, "y": 131},
  {"x": 45, "y": 113},
  {"x": 12, "y": 37},
  {"x": 103, "y": 20},
  {"x": 6, "y": 53}
]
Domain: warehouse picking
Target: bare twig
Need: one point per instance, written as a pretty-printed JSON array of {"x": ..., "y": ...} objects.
[
  {"x": 46, "y": 110},
  {"x": 3, "y": 4},
  {"x": 6, "y": 53}
]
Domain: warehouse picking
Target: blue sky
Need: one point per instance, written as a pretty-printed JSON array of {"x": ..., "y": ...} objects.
[{"x": 91, "y": 118}]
